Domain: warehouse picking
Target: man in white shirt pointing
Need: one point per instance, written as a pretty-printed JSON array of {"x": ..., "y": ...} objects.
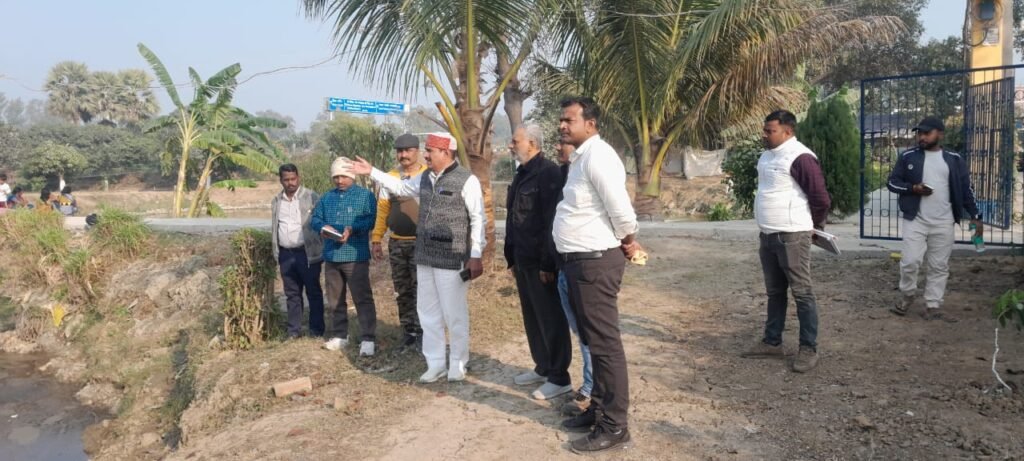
[
  {"x": 595, "y": 233},
  {"x": 449, "y": 243}
]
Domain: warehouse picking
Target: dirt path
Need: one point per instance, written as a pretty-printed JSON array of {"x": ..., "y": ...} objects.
[{"x": 886, "y": 388}]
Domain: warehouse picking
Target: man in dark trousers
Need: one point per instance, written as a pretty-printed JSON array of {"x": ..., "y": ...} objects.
[
  {"x": 344, "y": 217},
  {"x": 595, "y": 233},
  {"x": 399, "y": 215},
  {"x": 532, "y": 198},
  {"x": 791, "y": 203},
  {"x": 298, "y": 250}
]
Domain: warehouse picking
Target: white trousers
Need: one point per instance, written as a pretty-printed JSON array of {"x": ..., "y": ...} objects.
[
  {"x": 441, "y": 302},
  {"x": 932, "y": 245}
]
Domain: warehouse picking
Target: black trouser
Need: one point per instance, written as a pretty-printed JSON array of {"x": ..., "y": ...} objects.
[
  {"x": 354, "y": 276},
  {"x": 594, "y": 291},
  {"x": 786, "y": 262},
  {"x": 298, "y": 275},
  {"x": 547, "y": 330}
]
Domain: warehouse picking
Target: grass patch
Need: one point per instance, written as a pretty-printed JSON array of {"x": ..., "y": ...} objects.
[
  {"x": 119, "y": 232},
  {"x": 720, "y": 212},
  {"x": 8, "y": 312}
]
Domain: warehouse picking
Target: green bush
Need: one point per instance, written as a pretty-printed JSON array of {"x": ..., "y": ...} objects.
[
  {"x": 720, "y": 212},
  {"x": 740, "y": 168},
  {"x": 119, "y": 232},
  {"x": 830, "y": 130}
]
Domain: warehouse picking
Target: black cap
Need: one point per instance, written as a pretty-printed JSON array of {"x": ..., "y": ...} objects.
[
  {"x": 930, "y": 123},
  {"x": 407, "y": 141}
]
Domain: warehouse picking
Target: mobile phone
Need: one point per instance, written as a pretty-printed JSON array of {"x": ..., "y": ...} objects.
[
  {"x": 927, "y": 187},
  {"x": 465, "y": 274}
]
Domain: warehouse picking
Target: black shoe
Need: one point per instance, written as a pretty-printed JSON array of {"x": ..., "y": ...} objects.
[
  {"x": 600, "y": 440},
  {"x": 411, "y": 341},
  {"x": 584, "y": 422}
]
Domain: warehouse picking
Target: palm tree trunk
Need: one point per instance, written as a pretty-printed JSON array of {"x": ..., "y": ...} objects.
[
  {"x": 477, "y": 141},
  {"x": 513, "y": 95},
  {"x": 647, "y": 206}
]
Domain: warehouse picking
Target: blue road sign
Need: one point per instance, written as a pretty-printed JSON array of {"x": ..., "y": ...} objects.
[{"x": 357, "y": 106}]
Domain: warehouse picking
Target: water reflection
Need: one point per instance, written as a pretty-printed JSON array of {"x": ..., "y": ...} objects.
[{"x": 39, "y": 418}]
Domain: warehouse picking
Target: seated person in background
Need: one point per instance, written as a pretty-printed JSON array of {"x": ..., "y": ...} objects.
[
  {"x": 68, "y": 205},
  {"x": 48, "y": 200},
  {"x": 17, "y": 199}
]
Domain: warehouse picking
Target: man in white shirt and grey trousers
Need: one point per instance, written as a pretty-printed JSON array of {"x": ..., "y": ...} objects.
[
  {"x": 935, "y": 191},
  {"x": 449, "y": 244},
  {"x": 595, "y": 233}
]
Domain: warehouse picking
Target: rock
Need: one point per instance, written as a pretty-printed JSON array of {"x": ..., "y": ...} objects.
[
  {"x": 339, "y": 403},
  {"x": 10, "y": 342},
  {"x": 286, "y": 388},
  {"x": 156, "y": 286},
  {"x": 103, "y": 395},
  {"x": 216, "y": 342},
  {"x": 150, "y": 438},
  {"x": 863, "y": 422}
]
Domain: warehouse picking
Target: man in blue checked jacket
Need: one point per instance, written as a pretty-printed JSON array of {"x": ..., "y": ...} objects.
[{"x": 344, "y": 217}]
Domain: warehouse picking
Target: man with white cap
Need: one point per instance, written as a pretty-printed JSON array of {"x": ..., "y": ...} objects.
[
  {"x": 344, "y": 217},
  {"x": 449, "y": 243}
]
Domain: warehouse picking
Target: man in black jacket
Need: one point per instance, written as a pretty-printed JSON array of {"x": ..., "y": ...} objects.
[
  {"x": 532, "y": 199},
  {"x": 934, "y": 187}
]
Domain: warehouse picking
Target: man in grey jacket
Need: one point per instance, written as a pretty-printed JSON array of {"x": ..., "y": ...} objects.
[{"x": 298, "y": 250}]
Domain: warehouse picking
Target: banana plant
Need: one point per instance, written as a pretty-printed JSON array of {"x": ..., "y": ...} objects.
[{"x": 213, "y": 128}]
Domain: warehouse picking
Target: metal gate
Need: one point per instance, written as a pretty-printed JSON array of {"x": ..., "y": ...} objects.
[{"x": 978, "y": 107}]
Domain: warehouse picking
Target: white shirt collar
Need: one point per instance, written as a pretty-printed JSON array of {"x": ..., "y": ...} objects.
[{"x": 576, "y": 154}]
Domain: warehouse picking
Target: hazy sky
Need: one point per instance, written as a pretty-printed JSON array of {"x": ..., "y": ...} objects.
[{"x": 211, "y": 34}]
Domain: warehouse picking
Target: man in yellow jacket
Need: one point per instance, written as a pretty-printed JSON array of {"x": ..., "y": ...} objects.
[{"x": 399, "y": 215}]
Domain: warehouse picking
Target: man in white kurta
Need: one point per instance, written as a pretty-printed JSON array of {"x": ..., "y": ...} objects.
[{"x": 449, "y": 243}]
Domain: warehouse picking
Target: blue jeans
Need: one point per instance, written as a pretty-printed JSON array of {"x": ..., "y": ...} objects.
[{"x": 588, "y": 373}]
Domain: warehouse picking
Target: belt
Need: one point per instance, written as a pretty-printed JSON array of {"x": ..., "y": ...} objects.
[
  {"x": 570, "y": 257},
  {"x": 295, "y": 250}
]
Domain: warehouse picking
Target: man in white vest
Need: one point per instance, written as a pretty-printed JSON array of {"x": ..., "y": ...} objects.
[{"x": 791, "y": 202}]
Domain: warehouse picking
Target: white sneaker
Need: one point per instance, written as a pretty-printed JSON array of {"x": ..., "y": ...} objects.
[
  {"x": 433, "y": 374},
  {"x": 549, "y": 391},
  {"x": 366, "y": 349},
  {"x": 455, "y": 375},
  {"x": 530, "y": 377},
  {"x": 336, "y": 344}
]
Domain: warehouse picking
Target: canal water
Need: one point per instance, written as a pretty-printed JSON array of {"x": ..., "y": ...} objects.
[{"x": 39, "y": 417}]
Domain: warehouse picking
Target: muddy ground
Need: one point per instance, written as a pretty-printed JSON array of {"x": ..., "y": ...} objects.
[{"x": 886, "y": 387}]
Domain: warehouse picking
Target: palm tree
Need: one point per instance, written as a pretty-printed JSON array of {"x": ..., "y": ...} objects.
[
  {"x": 211, "y": 125},
  {"x": 682, "y": 71},
  {"x": 101, "y": 95},
  {"x": 442, "y": 43},
  {"x": 136, "y": 100},
  {"x": 67, "y": 84}
]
